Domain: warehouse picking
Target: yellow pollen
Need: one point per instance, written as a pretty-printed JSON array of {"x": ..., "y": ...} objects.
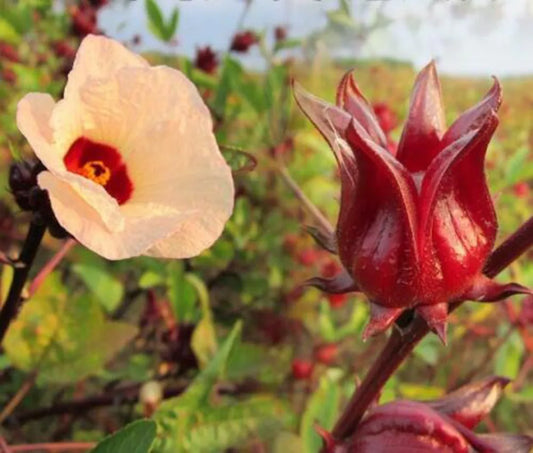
[{"x": 96, "y": 171}]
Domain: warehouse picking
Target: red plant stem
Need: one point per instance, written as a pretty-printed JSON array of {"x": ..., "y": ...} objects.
[
  {"x": 14, "y": 300},
  {"x": 58, "y": 446},
  {"x": 50, "y": 266},
  {"x": 402, "y": 341},
  {"x": 510, "y": 249}
]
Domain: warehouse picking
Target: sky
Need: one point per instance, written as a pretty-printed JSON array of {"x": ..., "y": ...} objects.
[{"x": 466, "y": 37}]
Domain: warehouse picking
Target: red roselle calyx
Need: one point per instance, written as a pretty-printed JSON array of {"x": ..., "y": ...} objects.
[
  {"x": 443, "y": 425},
  {"x": 416, "y": 224}
]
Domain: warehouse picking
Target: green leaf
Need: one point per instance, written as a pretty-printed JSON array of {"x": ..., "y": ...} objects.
[
  {"x": 204, "y": 339},
  {"x": 181, "y": 293},
  {"x": 172, "y": 25},
  {"x": 217, "y": 429},
  {"x": 509, "y": 357},
  {"x": 322, "y": 408},
  {"x": 65, "y": 337},
  {"x": 8, "y": 32},
  {"x": 176, "y": 416},
  {"x": 231, "y": 72},
  {"x": 137, "y": 437},
  {"x": 107, "y": 288},
  {"x": 156, "y": 22}
]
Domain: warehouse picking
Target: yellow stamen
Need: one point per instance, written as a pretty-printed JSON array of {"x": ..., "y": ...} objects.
[{"x": 96, "y": 171}]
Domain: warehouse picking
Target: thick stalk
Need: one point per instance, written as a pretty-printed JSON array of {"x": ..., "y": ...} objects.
[
  {"x": 13, "y": 302},
  {"x": 402, "y": 341}
]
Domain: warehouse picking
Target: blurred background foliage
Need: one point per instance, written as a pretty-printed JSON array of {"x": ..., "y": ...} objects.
[{"x": 227, "y": 351}]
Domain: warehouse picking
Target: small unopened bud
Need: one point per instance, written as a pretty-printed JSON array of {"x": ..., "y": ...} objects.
[{"x": 150, "y": 396}]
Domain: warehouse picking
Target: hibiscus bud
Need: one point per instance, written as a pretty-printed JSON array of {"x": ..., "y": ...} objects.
[
  {"x": 8, "y": 75},
  {"x": 337, "y": 300},
  {"x": 416, "y": 224},
  {"x": 386, "y": 117},
  {"x": 521, "y": 189},
  {"x": 302, "y": 369},
  {"x": 8, "y": 52},
  {"x": 243, "y": 41},
  {"x": 63, "y": 49},
  {"x": 206, "y": 60},
  {"x": 326, "y": 353},
  {"x": 436, "y": 426},
  {"x": 83, "y": 20},
  {"x": 280, "y": 34}
]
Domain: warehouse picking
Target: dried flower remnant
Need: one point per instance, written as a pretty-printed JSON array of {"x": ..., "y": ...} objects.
[
  {"x": 416, "y": 224},
  {"x": 132, "y": 164}
]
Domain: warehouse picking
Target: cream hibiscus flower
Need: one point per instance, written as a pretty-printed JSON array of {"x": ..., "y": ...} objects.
[{"x": 133, "y": 167}]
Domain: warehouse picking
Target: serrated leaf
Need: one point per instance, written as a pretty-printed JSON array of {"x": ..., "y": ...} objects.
[
  {"x": 137, "y": 437},
  {"x": 217, "y": 429}
]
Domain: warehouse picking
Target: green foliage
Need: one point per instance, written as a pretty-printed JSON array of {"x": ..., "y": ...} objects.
[
  {"x": 137, "y": 437},
  {"x": 164, "y": 30},
  {"x": 322, "y": 409},
  {"x": 64, "y": 337}
]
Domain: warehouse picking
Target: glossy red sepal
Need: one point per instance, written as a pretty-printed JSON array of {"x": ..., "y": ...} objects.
[{"x": 469, "y": 404}]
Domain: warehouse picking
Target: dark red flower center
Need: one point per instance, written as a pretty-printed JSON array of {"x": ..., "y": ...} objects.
[{"x": 102, "y": 164}]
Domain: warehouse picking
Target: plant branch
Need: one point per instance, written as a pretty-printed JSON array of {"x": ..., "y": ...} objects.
[
  {"x": 510, "y": 249},
  {"x": 50, "y": 266},
  {"x": 308, "y": 204},
  {"x": 403, "y": 340},
  {"x": 53, "y": 447},
  {"x": 14, "y": 300}
]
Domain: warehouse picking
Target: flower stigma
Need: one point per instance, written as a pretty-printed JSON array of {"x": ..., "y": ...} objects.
[{"x": 96, "y": 171}]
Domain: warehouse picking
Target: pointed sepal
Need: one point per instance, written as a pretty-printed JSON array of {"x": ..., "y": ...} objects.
[
  {"x": 506, "y": 443},
  {"x": 420, "y": 141},
  {"x": 323, "y": 238},
  {"x": 406, "y": 426},
  {"x": 339, "y": 284},
  {"x": 376, "y": 231},
  {"x": 381, "y": 318},
  {"x": 469, "y": 404},
  {"x": 458, "y": 223},
  {"x": 436, "y": 317},
  {"x": 474, "y": 117},
  {"x": 350, "y": 99},
  {"x": 485, "y": 289}
]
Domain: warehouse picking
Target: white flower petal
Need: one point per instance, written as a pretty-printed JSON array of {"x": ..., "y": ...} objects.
[
  {"x": 81, "y": 220},
  {"x": 33, "y": 119},
  {"x": 92, "y": 194},
  {"x": 99, "y": 57}
]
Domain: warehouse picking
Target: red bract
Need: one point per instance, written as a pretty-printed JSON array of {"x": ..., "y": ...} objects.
[
  {"x": 243, "y": 41},
  {"x": 8, "y": 52},
  {"x": 301, "y": 369},
  {"x": 440, "y": 426},
  {"x": 206, "y": 60},
  {"x": 387, "y": 119},
  {"x": 415, "y": 227}
]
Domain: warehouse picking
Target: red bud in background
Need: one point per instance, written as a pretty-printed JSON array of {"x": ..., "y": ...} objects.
[
  {"x": 243, "y": 41},
  {"x": 206, "y": 60},
  {"x": 8, "y": 52},
  {"x": 301, "y": 369}
]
